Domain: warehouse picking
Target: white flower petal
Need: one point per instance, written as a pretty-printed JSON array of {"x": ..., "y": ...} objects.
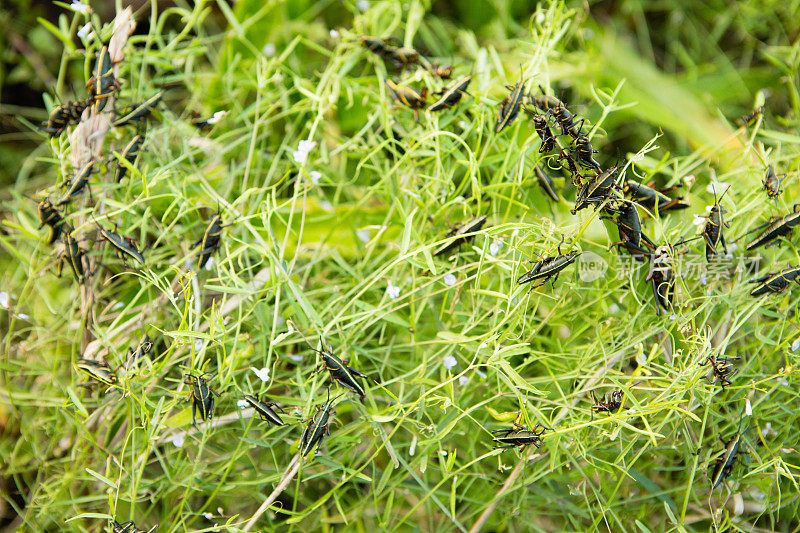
[
  {"x": 362, "y": 5},
  {"x": 209, "y": 516},
  {"x": 300, "y": 156},
  {"x": 4, "y": 299},
  {"x": 326, "y": 205},
  {"x": 178, "y": 439},
  {"x": 449, "y": 279},
  {"x": 392, "y": 291},
  {"x": 79, "y": 7},
  {"x": 334, "y": 34},
  {"x": 748, "y": 409},
  {"x": 495, "y": 247},
  {"x": 314, "y": 176},
  {"x": 306, "y": 145},
  {"x": 699, "y": 220},
  {"x": 796, "y": 344},
  {"x": 84, "y": 31},
  {"x": 242, "y": 404},
  {"x": 210, "y": 264},
  {"x": 449, "y": 361},
  {"x": 219, "y": 115},
  {"x": 363, "y": 235},
  {"x": 413, "y": 447},
  {"x": 296, "y": 357},
  {"x": 613, "y": 308},
  {"x": 268, "y": 50},
  {"x": 463, "y": 380},
  {"x": 22, "y": 316},
  {"x": 198, "y": 344},
  {"x": 263, "y": 373}
]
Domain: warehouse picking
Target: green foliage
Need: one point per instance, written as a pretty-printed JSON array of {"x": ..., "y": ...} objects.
[{"x": 320, "y": 248}]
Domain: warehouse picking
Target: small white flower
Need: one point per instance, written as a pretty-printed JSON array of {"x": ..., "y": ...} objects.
[
  {"x": 84, "y": 31},
  {"x": 177, "y": 440},
  {"x": 449, "y": 361},
  {"x": 314, "y": 176},
  {"x": 481, "y": 374},
  {"x": 263, "y": 374},
  {"x": 189, "y": 263},
  {"x": 796, "y": 344},
  {"x": 268, "y": 50},
  {"x": 4, "y": 299},
  {"x": 209, "y": 516},
  {"x": 449, "y": 279},
  {"x": 673, "y": 316},
  {"x": 219, "y": 115},
  {"x": 363, "y": 235},
  {"x": 242, "y": 404},
  {"x": 79, "y": 7},
  {"x": 413, "y": 195},
  {"x": 703, "y": 278},
  {"x": 118, "y": 305},
  {"x": 326, "y": 205},
  {"x": 304, "y": 147},
  {"x": 717, "y": 187},
  {"x": 296, "y": 357},
  {"x": 699, "y": 220},
  {"x": 613, "y": 308},
  {"x": 362, "y": 5},
  {"x": 495, "y": 248},
  {"x": 198, "y": 345},
  {"x": 210, "y": 264},
  {"x": 733, "y": 247},
  {"x": 334, "y": 34},
  {"x": 463, "y": 380},
  {"x": 767, "y": 428},
  {"x": 748, "y": 409},
  {"x": 413, "y": 447},
  {"x": 392, "y": 291},
  {"x": 22, "y": 316}
]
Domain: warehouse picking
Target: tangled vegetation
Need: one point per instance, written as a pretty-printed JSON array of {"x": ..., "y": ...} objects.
[{"x": 333, "y": 198}]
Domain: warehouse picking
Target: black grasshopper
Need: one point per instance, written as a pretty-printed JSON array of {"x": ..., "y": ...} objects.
[
  {"x": 629, "y": 226},
  {"x": 137, "y": 112},
  {"x": 407, "y": 96},
  {"x": 726, "y": 460},
  {"x": 451, "y": 96},
  {"x": 610, "y": 403},
  {"x": 559, "y": 111},
  {"x": 596, "y": 191},
  {"x": 129, "y": 154},
  {"x": 49, "y": 215},
  {"x": 648, "y": 197},
  {"x": 340, "y": 371},
  {"x": 376, "y": 46},
  {"x": 662, "y": 278},
  {"x": 776, "y": 227},
  {"x": 139, "y": 353},
  {"x": 202, "y": 396},
  {"x": 747, "y": 119},
  {"x": 129, "y": 527},
  {"x": 103, "y": 84},
  {"x": 713, "y": 232},
  {"x": 546, "y": 183},
  {"x": 264, "y": 409},
  {"x": 63, "y": 115},
  {"x": 547, "y": 268},
  {"x": 98, "y": 370},
  {"x": 518, "y": 436},
  {"x": 722, "y": 369},
  {"x": 317, "y": 427},
  {"x": 771, "y": 183},
  {"x": 584, "y": 150},
  {"x": 442, "y": 71},
  {"x": 124, "y": 246},
  {"x": 403, "y": 56},
  {"x": 74, "y": 256},
  {"x": 77, "y": 184},
  {"x": 510, "y": 106},
  {"x": 571, "y": 166},
  {"x": 210, "y": 241},
  {"x": 776, "y": 281},
  {"x": 544, "y": 132},
  {"x": 461, "y": 232}
]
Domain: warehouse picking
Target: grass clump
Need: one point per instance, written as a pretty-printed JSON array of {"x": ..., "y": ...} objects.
[{"x": 333, "y": 200}]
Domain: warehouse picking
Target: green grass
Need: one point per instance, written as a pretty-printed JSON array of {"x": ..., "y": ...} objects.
[{"x": 301, "y": 258}]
